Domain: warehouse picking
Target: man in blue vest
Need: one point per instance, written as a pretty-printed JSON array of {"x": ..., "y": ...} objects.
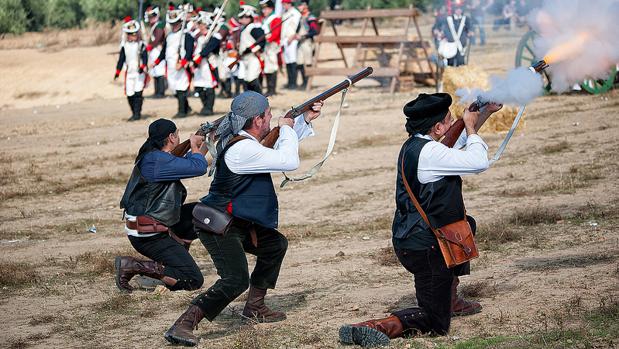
[
  {"x": 433, "y": 171},
  {"x": 243, "y": 187}
]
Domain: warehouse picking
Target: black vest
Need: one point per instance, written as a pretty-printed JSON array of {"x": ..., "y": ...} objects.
[
  {"x": 441, "y": 200},
  {"x": 250, "y": 197},
  {"x": 161, "y": 201}
]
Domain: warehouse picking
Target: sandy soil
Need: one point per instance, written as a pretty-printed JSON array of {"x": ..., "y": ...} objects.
[{"x": 67, "y": 152}]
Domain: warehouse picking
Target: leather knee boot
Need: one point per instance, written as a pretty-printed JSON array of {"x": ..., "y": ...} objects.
[
  {"x": 139, "y": 101},
  {"x": 461, "y": 306},
  {"x": 131, "y": 101},
  {"x": 256, "y": 310},
  {"x": 126, "y": 267},
  {"x": 271, "y": 84},
  {"x": 372, "y": 333},
  {"x": 181, "y": 96},
  {"x": 208, "y": 101},
  {"x": 301, "y": 69},
  {"x": 181, "y": 331}
]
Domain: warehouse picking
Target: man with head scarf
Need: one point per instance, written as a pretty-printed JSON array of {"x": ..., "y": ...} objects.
[
  {"x": 433, "y": 171},
  {"x": 243, "y": 187},
  {"x": 158, "y": 222}
]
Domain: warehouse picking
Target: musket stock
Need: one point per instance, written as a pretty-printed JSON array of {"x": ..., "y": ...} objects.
[{"x": 271, "y": 138}]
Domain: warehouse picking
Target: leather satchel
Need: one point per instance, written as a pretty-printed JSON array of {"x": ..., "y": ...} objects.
[
  {"x": 211, "y": 219},
  {"x": 455, "y": 240}
]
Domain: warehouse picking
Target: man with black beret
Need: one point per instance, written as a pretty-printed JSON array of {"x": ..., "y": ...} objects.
[
  {"x": 158, "y": 221},
  {"x": 433, "y": 171}
]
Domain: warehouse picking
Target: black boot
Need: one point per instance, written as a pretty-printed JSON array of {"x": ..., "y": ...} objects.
[
  {"x": 253, "y": 85},
  {"x": 301, "y": 69},
  {"x": 159, "y": 87},
  {"x": 138, "y": 101},
  {"x": 271, "y": 84},
  {"x": 207, "y": 96},
  {"x": 181, "y": 96},
  {"x": 237, "y": 86},
  {"x": 132, "y": 103},
  {"x": 292, "y": 75}
]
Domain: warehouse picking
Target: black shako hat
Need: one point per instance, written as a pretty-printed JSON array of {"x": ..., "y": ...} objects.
[{"x": 425, "y": 111}]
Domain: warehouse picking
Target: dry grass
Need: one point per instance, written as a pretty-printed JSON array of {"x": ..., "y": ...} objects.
[
  {"x": 555, "y": 148},
  {"x": 16, "y": 275},
  {"x": 386, "y": 256},
  {"x": 117, "y": 303},
  {"x": 478, "y": 289},
  {"x": 43, "y": 319},
  {"x": 326, "y": 229},
  {"x": 533, "y": 216},
  {"x": 563, "y": 262},
  {"x": 577, "y": 177}
]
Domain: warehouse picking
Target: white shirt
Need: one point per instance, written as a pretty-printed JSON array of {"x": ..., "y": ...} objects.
[
  {"x": 249, "y": 156},
  {"x": 437, "y": 160}
]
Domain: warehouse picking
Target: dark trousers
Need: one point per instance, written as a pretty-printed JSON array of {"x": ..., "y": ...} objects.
[
  {"x": 253, "y": 85},
  {"x": 178, "y": 263},
  {"x": 433, "y": 282},
  {"x": 228, "y": 254},
  {"x": 456, "y": 61}
]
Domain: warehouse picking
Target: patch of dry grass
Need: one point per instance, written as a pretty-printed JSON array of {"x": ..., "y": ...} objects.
[
  {"x": 555, "y": 148},
  {"x": 16, "y": 275},
  {"x": 530, "y": 216},
  {"x": 326, "y": 229},
  {"x": 117, "y": 303},
  {"x": 386, "y": 256},
  {"x": 477, "y": 289}
]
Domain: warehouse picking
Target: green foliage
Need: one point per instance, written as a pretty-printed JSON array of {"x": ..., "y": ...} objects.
[
  {"x": 64, "y": 14},
  {"x": 13, "y": 17},
  {"x": 36, "y": 11},
  {"x": 110, "y": 9},
  {"x": 361, "y": 4}
]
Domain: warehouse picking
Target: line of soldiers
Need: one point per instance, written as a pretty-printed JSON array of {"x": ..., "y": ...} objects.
[{"x": 189, "y": 48}]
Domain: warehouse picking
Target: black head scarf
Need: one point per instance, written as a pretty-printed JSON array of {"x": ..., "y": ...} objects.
[
  {"x": 425, "y": 111},
  {"x": 158, "y": 131}
]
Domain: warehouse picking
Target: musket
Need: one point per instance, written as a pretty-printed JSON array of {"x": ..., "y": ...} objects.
[
  {"x": 258, "y": 41},
  {"x": 181, "y": 43},
  {"x": 211, "y": 30},
  {"x": 141, "y": 21},
  {"x": 451, "y": 136},
  {"x": 208, "y": 129}
]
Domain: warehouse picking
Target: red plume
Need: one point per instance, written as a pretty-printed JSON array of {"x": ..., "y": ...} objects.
[
  {"x": 241, "y": 3},
  {"x": 171, "y": 7},
  {"x": 127, "y": 19},
  {"x": 199, "y": 9}
]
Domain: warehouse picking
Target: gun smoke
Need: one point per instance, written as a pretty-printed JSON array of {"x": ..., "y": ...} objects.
[
  {"x": 591, "y": 29},
  {"x": 578, "y": 38}
]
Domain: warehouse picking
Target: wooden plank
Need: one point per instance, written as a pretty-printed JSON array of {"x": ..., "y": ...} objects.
[
  {"x": 389, "y": 46},
  {"x": 378, "y": 72},
  {"x": 375, "y": 13},
  {"x": 362, "y": 39}
]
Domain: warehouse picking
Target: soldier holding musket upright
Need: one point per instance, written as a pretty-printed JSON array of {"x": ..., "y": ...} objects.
[
  {"x": 305, "y": 36},
  {"x": 271, "y": 24},
  {"x": 251, "y": 49},
  {"x": 154, "y": 48},
  {"x": 177, "y": 53},
  {"x": 133, "y": 57},
  {"x": 292, "y": 19}
]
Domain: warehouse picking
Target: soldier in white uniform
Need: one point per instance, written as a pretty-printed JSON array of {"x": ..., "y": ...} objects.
[
  {"x": 292, "y": 19},
  {"x": 307, "y": 30},
  {"x": 133, "y": 58},
  {"x": 177, "y": 59},
  {"x": 250, "y": 47},
  {"x": 204, "y": 73},
  {"x": 272, "y": 26},
  {"x": 154, "y": 47}
]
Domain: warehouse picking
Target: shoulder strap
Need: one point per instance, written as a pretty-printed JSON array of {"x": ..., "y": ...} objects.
[{"x": 412, "y": 196}]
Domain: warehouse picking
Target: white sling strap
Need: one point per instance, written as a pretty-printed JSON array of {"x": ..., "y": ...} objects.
[{"x": 456, "y": 35}]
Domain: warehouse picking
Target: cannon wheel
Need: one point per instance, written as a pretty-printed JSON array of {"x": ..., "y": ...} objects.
[
  {"x": 525, "y": 56},
  {"x": 600, "y": 86}
]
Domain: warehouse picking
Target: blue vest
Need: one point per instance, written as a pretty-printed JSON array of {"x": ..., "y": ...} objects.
[{"x": 250, "y": 196}]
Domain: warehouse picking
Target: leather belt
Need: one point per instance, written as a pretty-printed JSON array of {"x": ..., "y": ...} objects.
[{"x": 133, "y": 225}]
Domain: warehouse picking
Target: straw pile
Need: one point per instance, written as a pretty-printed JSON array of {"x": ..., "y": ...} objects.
[{"x": 469, "y": 76}]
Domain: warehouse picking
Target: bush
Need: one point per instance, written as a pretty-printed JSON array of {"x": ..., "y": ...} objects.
[
  {"x": 64, "y": 14},
  {"x": 110, "y": 9},
  {"x": 13, "y": 17},
  {"x": 36, "y": 11}
]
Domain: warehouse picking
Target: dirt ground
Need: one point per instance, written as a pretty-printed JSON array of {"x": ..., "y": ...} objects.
[{"x": 548, "y": 274}]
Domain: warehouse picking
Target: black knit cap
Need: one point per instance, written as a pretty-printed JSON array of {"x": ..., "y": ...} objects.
[{"x": 425, "y": 111}]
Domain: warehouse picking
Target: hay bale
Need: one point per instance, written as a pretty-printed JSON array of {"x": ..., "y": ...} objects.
[{"x": 470, "y": 76}]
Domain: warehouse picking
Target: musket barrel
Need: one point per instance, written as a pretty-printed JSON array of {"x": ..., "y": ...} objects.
[{"x": 296, "y": 111}]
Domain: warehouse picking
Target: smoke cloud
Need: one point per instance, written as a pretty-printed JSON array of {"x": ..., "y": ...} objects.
[
  {"x": 519, "y": 87},
  {"x": 579, "y": 40}
]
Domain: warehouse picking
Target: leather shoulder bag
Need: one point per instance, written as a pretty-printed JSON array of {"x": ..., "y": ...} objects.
[{"x": 455, "y": 240}]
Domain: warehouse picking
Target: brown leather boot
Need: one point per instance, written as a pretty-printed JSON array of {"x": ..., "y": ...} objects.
[
  {"x": 127, "y": 267},
  {"x": 182, "y": 330},
  {"x": 460, "y": 306},
  {"x": 256, "y": 310},
  {"x": 372, "y": 333}
]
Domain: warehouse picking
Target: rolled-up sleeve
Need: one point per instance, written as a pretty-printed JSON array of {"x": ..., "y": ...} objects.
[{"x": 437, "y": 160}]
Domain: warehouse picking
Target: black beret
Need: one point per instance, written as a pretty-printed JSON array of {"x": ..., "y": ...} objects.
[
  {"x": 425, "y": 111},
  {"x": 160, "y": 129}
]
